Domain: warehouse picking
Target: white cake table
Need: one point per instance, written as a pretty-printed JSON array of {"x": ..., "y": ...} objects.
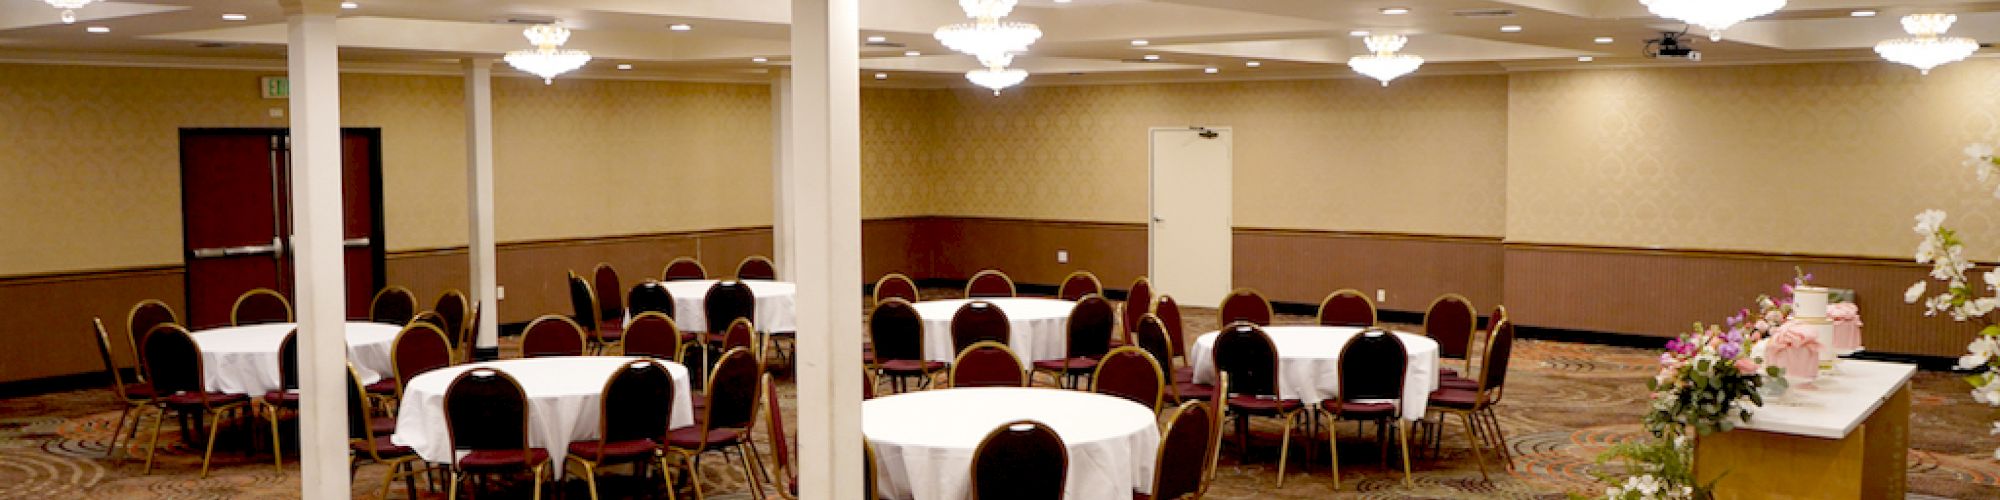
[{"x": 1845, "y": 435}]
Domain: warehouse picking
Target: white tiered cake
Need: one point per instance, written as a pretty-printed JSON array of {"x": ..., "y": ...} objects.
[{"x": 1809, "y": 307}]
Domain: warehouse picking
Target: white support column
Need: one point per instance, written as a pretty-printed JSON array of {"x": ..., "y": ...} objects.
[
  {"x": 782, "y": 248},
  {"x": 314, "y": 69},
  {"x": 825, "y": 229},
  {"x": 479, "y": 199}
]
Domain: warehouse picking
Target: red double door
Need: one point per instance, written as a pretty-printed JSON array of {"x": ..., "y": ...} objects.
[{"x": 236, "y": 217}]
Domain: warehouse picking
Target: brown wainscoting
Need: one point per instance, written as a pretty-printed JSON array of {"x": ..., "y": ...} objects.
[
  {"x": 1303, "y": 266},
  {"x": 958, "y": 247},
  {"x": 1662, "y": 292},
  {"x": 48, "y": 331}
]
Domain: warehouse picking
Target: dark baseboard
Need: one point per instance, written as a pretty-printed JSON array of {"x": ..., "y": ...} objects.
[
  {"x": 1022, "y": 288},
  {"x": 59, "y": 383}
]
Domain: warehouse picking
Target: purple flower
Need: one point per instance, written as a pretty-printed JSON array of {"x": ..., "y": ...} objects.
[
  {"x": 1787, "y": 287},
  {"x": 1675, "y": 345},
  {"x": 1729, "y": 350},
  {"x": 1735, "y": 336}
]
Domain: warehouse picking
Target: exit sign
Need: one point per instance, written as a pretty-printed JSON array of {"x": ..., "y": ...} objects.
[{"x": 276, "y": 87}]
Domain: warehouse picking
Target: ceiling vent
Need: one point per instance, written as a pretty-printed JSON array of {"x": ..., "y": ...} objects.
[
  {"x": 889, "y": 45},
  {"x": 525, "y": 20},
  {"x": 1483, "y": 13}
]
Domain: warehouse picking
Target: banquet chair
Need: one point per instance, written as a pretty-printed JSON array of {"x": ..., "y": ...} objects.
[
  {"x": 653, "y": 335},
  {"x": 1372, "y": 369},
  {"x": 1152, "y": 337},
  {"x": 141, "y": 319},
  {"x": 897, "y": 332},
  {"x": 1468, "y": 379},
  {"x": 634, "y": 411},
  {"x": 285, "y": 397},
  {"x": 895, "y": 285},
  {"x": 651, "y": 296},
  {"x": 552, "y": 335},
  {"x": 1245, "y": 304},
  {"x": 598, "y": 334},
  {"x": 430, "y": 318},
  {"x": 1088, "y": 338},
  {"x": 1347, "y": 307},
  {"x": 1183, "y": 455},
  {"x": 683, "y": 268},
  {"x": 1131, "y": 373},
  {"x": 1020, "y": 460},
  {"x": 262, "y": 305},
  {"x": 1475, "y": 407},
  {"x": 419, "y": 348},
  {"x": 1079, "y": 284},
  {"x": 468, "y": 337},
  {"x": 366, "y": 442},
  {"x": 175, "y": 367},
  {"x": 726, "y": 423},
  {"x": 452, "y": 307},
  {"x": 1218, "y": 404},
  {"x": 1169, "y": 312},
  {"x": 725, "y": 302},
  {"x": 394, "y": 305},
  {"x": 486, "y": 416},
  {"x": 605, "y": 288},
  {"x": 1247, "y": 354},
  {"x": 988, "y": 364},
  {"x": 979, "y": 321},
  {"x": 1450, "y": 321},
  {"x": 756, "y": 267},
  {"x": 989, "y": 283},
  {"x": 1138, "y": 303},
  {"x": 784, "y": 477},
  {"x": 136, "y": 396}
]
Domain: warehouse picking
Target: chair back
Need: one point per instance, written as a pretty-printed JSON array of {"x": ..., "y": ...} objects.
[
  {"x": 288, "y": 361},
  {"x": 467, "y": 338},
  {"x": 1022, "y": 460},
  {"x": 895, "y": 285},
  {"x": 638, "y": 403},
  {"x": 173, "y": 362},
  {"x": 1499, "y": 315},
  {"x": 651, "y": 296},
  {"x": 726, "y": 302},
  {"x": 732, "y": 391},
  {"x": 486, "y": 410},
  {"x": 988, "y": 364},
  {"x": 684, "y": 268},
  {"x": 584, "y": 301},
  {"x": 262, "y": 305},
  {"x": 1246, "y": 353},
  {"x": 1131, "y": 373},
  {"x": 989, "y": 283},
  {"x": 429, "y": 318},
  {"x": 110, "y": 365},
  {"x": 1138, "y": 303},
  {"x": 653, "y": 335},
  {"x": 756, "y": 267},
  {"x": 781, "y": 445},
  {"x": 1169, "y": 311},
  {"x": 741, "y": 333},
  {"x": 359, "y": 412},
  {"x": 1244, "y": 304},
  {"x": 605, "y": 286},
  {"x": 896, "y": 331},
  {"x": 552, "y": 335},
  {"x": 1090, "y": 326},
  {"x": 1347, "y": 307},
  {"x": 1450, "y": 321},
  {"x": 419, "y": 348},
  {"x": 1493, "y": 366},
  {"x": 1372, "y": 366},
  {"x": 144, "y": 316},
  {"x": 394, "y": 305},
  {"x": 452, "y": 308},
  {"x": 1078, "y": 284},
  {"x": 979, "y": 321},
  {"x": 1184, "y": 452},
  {"x": 1152, "y": 336}
]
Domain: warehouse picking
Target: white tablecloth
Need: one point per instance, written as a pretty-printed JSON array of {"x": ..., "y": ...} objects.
[
  {"x": 1308, "y": 364},
  {"x": 777, "y": 305},
  {"x": 1040, "y": 327},
  {"x": 924, "y": 440},
  {"x": 244, "y": 359},
  {"x": 563, "y": 402}
]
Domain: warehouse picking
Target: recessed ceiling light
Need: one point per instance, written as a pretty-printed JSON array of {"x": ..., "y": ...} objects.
[
  {"x": 1358, "y": 33},
  {"x": 98, "y": 29},
  {"x": 624, "y": 67},
  {"x": 1141, "y": 43},
  {"x": 877, "y": 39},
  {"x": 1253, "y": 64},
  {"x": 1395, "y": 11},
  {"x": 1585, "y": 59},
  {"x": 350, "y": 5},
  {"x": 758, "y": 60},
  {"x": 1510, "y": 29},
  {"x": 1150, "y": 57},
  {"x": 234, "y": 17},
  {"x": 881, "y": 76},
  {"x": 1211, "y": 70},
  {"x": 912, "y": 53},
  {"x": 1062, "y": 1},
  {"x": 1862, "y": 13},
  {"x": 1603, "y": 40},
  {"x": 680, "y": 27}
]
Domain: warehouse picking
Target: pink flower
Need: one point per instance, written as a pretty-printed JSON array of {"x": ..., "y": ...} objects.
[{"x": 1744, "y": 366}]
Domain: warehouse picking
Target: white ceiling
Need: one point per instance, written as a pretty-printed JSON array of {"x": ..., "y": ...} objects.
[{"x": 1084, "y": 40}]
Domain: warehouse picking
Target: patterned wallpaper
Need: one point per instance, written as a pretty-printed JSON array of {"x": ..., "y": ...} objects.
[
  {"x": 1811, "y": 158},
  {"x": 899, "y": 146}
]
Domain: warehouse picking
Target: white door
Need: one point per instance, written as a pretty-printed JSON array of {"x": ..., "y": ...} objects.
[{"x": 1190, "y": 231}]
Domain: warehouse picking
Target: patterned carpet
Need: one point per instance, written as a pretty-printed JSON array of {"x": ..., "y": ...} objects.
[{"x": 1566, "y": 402}]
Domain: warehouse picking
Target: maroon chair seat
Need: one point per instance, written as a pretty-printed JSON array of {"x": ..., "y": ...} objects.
[
  {"x": 1448, "y": 372},
  {"x": 384, "y": 387},
  {"x": 1362, "y": 411},
  {"x": 195, "y": 401},
  {"x": 1191, "y": 390},
  {"x": 1455, "y": 398},
  {"x": 478, "y": 460},
  {"x": 691, "y": 437},
  {"x": 1184, "y": 374},
  {"x": 382, "y": 425},
  {"x": 281, "y": 398},
  {"x": 140, "y": 390},
  {"x": 1264, "y": 406},
  {"x": 630, "y": 448},
  {"x": 1458, "y": 383},
  {"x": 911, "y": 366},
  {"x": 380, "y": 446}
]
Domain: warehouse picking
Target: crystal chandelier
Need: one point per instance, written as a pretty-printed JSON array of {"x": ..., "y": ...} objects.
[
  {"x": 1924, "y": 48},
  {"x": 992, "y": 41},
  {"x": 546, "y": 60},
  {"x": 69, "y": 8},
  {"x": 1713, "y": 15},
  {"x": 1385, "y": 64},
  {"x": 996, "y": 78}
]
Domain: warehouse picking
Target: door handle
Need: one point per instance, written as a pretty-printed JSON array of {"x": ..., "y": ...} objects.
[
  {"x": 209, "y": 253},
  {"x": 355, "y": 242},
  {"x": 1158, "y": 219}
]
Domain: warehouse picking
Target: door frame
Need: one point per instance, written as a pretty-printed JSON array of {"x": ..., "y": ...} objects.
[
  {"x": 1152, "y": 189},
  {"x": 378, "y": 249}
]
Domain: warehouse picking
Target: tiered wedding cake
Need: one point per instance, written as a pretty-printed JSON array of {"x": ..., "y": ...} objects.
[{"x": 1809, "y": 309}]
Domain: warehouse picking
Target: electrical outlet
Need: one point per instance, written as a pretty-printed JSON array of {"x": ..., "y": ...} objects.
[
  {"x": 1381, "y": 295},
  {"x": 277, "y": 112},
  {"x": 499, "y": 293},
  {"x": 1062, "y": 256}
]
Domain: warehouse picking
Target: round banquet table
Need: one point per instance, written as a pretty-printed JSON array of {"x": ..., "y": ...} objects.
[
  {"x": 1309, "y": 364},
  {"x": 777, "y": 304},
  {"x": 924, "y": 440},
  {"x": 1039, "y": 327},
  {"x": 563, "y": 402},
  {"x": 244, "y": 359}
]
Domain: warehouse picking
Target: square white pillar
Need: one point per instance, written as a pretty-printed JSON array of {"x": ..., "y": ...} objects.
[
  {"x": 479, "y": 245},
  {"x": 321, "y": 292},
  {"x": 782, "y": 249}
]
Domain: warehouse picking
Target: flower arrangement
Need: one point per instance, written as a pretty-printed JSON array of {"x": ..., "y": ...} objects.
[
  {"x": 1960, "y": 300},
  {"x": 1709, "y": 379}
]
